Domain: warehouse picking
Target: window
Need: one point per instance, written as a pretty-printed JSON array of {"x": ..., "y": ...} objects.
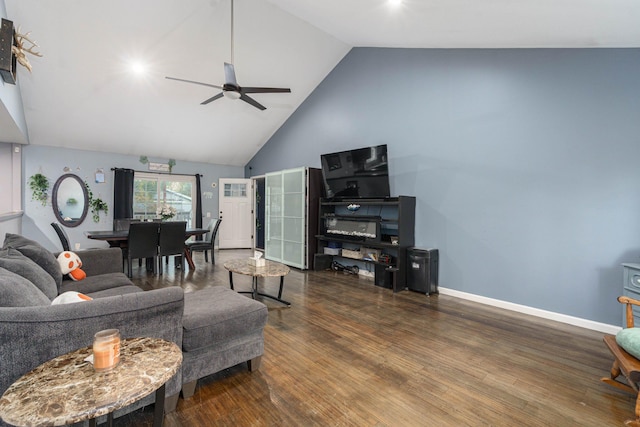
[
  {"x": 153, "y": 191},
  {"x": 235, "y": 190}
]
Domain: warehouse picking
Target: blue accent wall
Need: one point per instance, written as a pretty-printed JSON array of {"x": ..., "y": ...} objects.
[{"x": 525, "y": 162}]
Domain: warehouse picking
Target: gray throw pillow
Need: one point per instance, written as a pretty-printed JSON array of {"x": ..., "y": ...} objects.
[
  {"x": 37, "y": 253},
  {"x": 13, "y": 260},
  {"x": 16, "y": 291}
]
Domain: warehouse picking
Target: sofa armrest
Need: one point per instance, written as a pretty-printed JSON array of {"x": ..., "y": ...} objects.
[
  {"x": 30, "y": 336},
  {"x": 101, "y": 261}
]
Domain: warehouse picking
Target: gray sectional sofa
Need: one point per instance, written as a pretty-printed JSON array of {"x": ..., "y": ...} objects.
[{"x": 215, "y": 327}]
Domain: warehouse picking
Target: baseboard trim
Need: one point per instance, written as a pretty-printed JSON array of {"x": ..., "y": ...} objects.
[{"x": 550, "y": 315}]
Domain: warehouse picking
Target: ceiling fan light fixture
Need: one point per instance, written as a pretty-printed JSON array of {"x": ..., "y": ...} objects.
[
  {"x": 231, "y": 89},
  {"x": 231, "y": 94}
]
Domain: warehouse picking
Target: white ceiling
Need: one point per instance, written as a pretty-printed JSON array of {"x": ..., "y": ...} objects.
[
  {"x": 81, "y": 94},
  {"x": 474, "y": 23}
]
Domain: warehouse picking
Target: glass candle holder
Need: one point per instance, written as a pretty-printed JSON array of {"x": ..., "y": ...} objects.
[{"x": 106, "y": 350}]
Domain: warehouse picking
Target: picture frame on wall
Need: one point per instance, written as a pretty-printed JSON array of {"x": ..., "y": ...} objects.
[{"x": 99, "y": 176}]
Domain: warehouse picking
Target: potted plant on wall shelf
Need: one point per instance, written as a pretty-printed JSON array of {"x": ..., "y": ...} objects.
[
  {"x": 39, "y": 185},
  {"x": 96, "y": 204}
]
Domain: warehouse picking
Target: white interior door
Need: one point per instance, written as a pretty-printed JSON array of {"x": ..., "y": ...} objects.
[{"x": 235, "y": 202}]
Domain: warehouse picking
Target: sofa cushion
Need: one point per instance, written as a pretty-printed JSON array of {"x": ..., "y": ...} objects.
[
  {"x": 218, "y": 314},
  {"x": 16, "y": 291},
  {"x": 96, "y": 283},
  {"x": 37, "y": 253},
  {"x": 121, "y": 290},
  {"x": 13, "y": 260}
]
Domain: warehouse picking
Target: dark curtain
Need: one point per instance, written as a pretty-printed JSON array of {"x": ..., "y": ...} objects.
[
  {"x": 123, "y": 193},
  {"x": 198, "y": 204}
]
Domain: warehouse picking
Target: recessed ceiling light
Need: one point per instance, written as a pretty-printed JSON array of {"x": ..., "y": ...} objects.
[
  {"x": 138, "y": 67},
  {"x": 395, "y": 3}
]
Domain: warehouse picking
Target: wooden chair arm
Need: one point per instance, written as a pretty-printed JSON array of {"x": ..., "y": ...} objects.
[
  {"x": 629, "y": 365},
  {"x": 624, "y": 363},
  {"x": 629, "y": 302}
]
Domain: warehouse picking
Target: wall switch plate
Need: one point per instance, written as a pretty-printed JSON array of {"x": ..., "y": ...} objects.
[{"x": 208, "y": 214}]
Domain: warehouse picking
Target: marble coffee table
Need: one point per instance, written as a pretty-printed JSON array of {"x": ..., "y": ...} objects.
[
  {"x": 67, "y": 390},
  {"x": 271, "y": 269}
]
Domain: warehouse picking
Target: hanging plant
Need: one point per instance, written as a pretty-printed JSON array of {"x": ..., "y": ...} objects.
[
  {"x": 96, "y": 204},
  {"x": 39, "y": 185}
]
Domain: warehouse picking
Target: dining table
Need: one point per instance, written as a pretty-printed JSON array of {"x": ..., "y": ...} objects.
[{"x": 119, "y": 238}]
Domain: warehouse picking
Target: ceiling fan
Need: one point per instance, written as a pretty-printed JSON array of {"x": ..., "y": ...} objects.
[{"x": 231, "y": 89}]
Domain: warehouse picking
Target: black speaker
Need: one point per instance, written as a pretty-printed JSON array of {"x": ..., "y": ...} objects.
[
  {"x": 382, "y": 278},
  {"x": 322, "y": 262}
]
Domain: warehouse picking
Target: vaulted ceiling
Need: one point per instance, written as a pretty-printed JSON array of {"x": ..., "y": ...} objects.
[{"x": 84, "y": 94}]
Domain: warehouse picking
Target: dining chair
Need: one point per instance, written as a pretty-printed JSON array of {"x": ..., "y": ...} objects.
[
  {"x": 62, "y": 235},
  {"x": 207, "y": 244},
  {"x": 172, "y": 235},
  {"x": 142, "y": 243},
  {"x": 122, "y": 224}
]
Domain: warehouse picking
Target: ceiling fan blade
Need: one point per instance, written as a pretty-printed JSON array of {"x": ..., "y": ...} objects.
[
  {"x": 252, "y": 101},
  {"x": 265, "y": 90},
  {"x": 230, "y": 74},
  {"x": 197, "y": 83},
  {"x": 213, "y": 98}
]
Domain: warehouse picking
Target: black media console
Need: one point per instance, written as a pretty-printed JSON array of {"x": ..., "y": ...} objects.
[{"x": 376, "y": 232}]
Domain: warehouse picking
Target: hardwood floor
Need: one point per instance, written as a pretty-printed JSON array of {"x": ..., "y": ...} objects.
[{"x": 348, "y": 353}]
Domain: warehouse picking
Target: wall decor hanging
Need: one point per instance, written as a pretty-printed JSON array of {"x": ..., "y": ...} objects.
[
  {"x": 96, "y": 204},
  {"x": 20, "y": 49},
  {"x": 158, "y": 167},
  {"x": 7, "y": 58},
  {"x": 39, "y": 185},
  {"x": 14, "y": 47}
]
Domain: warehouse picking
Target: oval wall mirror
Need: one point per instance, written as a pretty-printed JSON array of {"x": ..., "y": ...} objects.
[{"x": 70, "y": 200}]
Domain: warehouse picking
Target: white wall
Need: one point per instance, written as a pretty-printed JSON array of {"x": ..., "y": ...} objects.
[
  {"x": 13, "y": 126},
  {"x": 10, "y": 189}
]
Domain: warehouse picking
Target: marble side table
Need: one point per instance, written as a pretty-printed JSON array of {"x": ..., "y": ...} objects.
[
  {"x": 67, "y": 390},
  {"x": 271, "y": 269}
]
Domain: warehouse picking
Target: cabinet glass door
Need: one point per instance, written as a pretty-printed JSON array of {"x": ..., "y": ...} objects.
[
  {"x": 285, "y": 209},
  {"x": 273, "y": 216},
  {"x": 293, "y": 218}
]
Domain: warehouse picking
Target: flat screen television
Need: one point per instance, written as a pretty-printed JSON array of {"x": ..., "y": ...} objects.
[{"x": 360, "y": 173}]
